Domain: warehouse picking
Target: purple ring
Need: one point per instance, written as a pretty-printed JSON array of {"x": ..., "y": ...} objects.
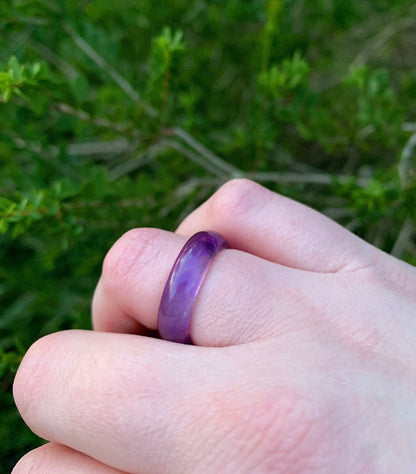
[{"x": 183, "y": 285}]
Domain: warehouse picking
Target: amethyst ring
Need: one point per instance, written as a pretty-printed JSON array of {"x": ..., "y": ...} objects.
[{"x": 183, "y": 284}]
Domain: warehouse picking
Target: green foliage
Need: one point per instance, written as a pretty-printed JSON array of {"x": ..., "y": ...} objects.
[
  {"x": 165, "y": 49},
  {"x": 377, "y": 106},
  {"x": 284, "y": 79},
  {"x": 124, "y": 114},
  {"x": 16, "y": 76}
]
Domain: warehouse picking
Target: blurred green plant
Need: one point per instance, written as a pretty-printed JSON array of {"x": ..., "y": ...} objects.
[
  {"x": 286, "y": 77},
  {"x": 123, "y": 114},
  {"x": 165, "y": 48},
  {"x": 16, "y": 76}
]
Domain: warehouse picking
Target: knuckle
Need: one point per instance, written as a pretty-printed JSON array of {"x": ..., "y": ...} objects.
[
  {"x": 127, "y": 257},
  {"x": 234, "y": 198},
  {"x": 30, "y": 376},
  {"x": 403, "y": 280}
]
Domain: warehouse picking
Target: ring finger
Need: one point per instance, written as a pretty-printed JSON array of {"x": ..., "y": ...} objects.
[{"x": 243, "y": 297}]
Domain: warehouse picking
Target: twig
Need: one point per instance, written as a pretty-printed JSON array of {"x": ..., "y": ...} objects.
[
  {"x": 128, "y": 166},
  {"x": 110, "y": 70},
  {"x": 23, "y": 38},
  {"x": 178, "y": 196},
  {"x": 408, "y": 149},
  {"x": 100, "y": 204},
  {"x": 99, "y": 122},
  {"x": 409, "y": 127},
  {"x": 200, "y": 197},
  {"x": 403, "y": 238},
  {"x": 118, "y": 146},
  {"x": 307, "y": 178},
  {"x": 29, "y": 20},
  {"x": 68, "y": 70},
  {"x": 381, "y": 39},
  {"x": 411, "y": 247},
  {"x": 205, "y": 152},
  {"x": 406, "y": 170},
  {"x": 280, "y": 178},
  {"x": 196, "y": 158},
  {"x": 142, "y": 158},
  {"x": 48, "y": 154}
]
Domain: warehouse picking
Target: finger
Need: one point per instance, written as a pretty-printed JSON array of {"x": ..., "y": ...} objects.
[
  {"x": 54, "y": 458},
  {"x": 110, "y": 396},
  {"x": 256, "y": 220},
  {"x": 243, "y": 297},
  {"x": 139, "y": 404}
]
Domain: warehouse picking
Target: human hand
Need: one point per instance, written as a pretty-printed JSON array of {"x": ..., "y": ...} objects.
[{"x": 304, "y": 358}]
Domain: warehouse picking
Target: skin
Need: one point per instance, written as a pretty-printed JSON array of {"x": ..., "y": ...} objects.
[{"x": 304, "y": 359}]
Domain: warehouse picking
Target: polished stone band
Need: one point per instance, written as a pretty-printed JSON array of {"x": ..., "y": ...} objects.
[{"x": 183, "y": 284}]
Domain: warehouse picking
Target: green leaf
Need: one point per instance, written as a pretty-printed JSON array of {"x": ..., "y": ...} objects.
[
  {"x": 7, "y": 95},
  {"x": 15, "y": 70},
  {"x": 38, "y": 198},
  {"x": 18, "y": 229},
  {"x": 35, "y": 69},
  {"x": 5, "y": 80},
  {"x": 4, "y": 225}
]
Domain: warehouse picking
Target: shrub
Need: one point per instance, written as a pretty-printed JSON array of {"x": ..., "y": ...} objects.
[{"x": 123, "y": 114}]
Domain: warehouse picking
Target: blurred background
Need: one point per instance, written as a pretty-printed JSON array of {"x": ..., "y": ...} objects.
[{"x": 123, "y": 114}]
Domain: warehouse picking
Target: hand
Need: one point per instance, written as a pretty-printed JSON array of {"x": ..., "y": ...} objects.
[{"x": 304, "y": 358}]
